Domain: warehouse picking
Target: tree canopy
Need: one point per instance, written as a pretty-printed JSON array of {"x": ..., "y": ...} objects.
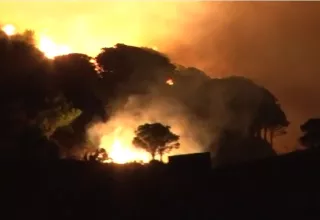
[
  {"x": 128, "y": 70},
  {"x": 249, "y": 108},
  {"x": 155, "y": 138},
  {"x": 311, "y": 130},
  {"x": 62, "y": 96}
]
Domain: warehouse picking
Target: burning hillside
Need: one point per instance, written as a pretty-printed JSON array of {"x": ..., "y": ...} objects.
[
  {"x": 44, "y": 43},
  {"x": 127, "y": 86},
  {"x": 116, "y": 135},
  {"x": 119, "y": 147}
]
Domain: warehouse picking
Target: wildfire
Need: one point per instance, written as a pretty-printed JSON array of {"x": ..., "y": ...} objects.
[
  {"x": 45, "y": 44},
  {"x": 9, "y": 29},
  {"x": 121, "y": 154},
  {"x": 51, "y": 49},
  {"x": 120, "y": 150},
  {"x": 170, "y": 82}
]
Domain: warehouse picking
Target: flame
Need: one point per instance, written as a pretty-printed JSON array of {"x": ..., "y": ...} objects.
[
  {"x": 96, "y": 65},
  {"x": 170, "y": 82},
  {"x": 51, "y": 49},
  {"x": 9, "y": 29},
  {"x": 121, "y": 154},
  {"x": 136, "y": 23},
  {"x": 45, "y": 44},
  {"x": 120, "y": 150}
]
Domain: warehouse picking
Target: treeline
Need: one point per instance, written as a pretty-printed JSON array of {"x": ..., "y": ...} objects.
[{"x": 48, "y": 104}]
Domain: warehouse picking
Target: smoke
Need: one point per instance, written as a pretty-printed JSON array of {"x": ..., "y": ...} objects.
[
  {"x": 150, "y": 108},
  {"x": 196, "y": 107},
  {"x": 273, "y": 43}
]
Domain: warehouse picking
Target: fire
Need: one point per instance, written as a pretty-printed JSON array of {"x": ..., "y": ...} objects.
[
  {"x": 9, "y": 29},
  {"x": 119, "y": 153},
  {"x": 51, "y": 49},
  {"x": 45, "y": 44},
  {"x": 120, "y": 150},
  {"x": 170, "y": 82}
]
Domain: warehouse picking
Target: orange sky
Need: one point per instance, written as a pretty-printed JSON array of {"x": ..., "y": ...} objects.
[{"x": 87, "y": 26}]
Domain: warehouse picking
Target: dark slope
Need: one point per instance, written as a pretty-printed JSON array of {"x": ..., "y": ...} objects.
[{"x": 75, "y": 190}]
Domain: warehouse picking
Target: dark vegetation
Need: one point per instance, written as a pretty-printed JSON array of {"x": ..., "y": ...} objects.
[
  {"x": 285, "y": 185},
  {"x": 156, "y": 139},
  {"x": 63, "y": 96},
  {"x": 48, "y": 104}
]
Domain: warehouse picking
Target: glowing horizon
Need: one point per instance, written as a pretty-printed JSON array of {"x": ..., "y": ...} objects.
[
  {"x": 48, "y": 46},
  {"x": 9, "y": 29},
  {"x": 51, "y": 49},
  {"x": 85, "y": 27}
]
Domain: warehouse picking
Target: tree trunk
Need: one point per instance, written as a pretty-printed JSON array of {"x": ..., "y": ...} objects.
[
  {"x": 153, "y": 155},
  {"x": 161, "y": 154}
]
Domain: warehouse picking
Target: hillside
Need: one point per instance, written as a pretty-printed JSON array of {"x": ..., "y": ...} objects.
[{"x": 78, "y": 190}]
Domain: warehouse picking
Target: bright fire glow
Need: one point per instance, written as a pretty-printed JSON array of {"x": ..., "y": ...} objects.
[
  {"x": 45, "y": 44},
  {"x": 51, "y": 49},
  {"x": 86, "y": 27},
  {"x": 119, "y": 153},
  {"x": 170, "y": 82},
  {"x": 120, "y": 150},
  {"x": 9, "y": 29}
]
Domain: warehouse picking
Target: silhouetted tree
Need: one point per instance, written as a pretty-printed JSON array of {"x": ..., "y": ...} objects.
[
  {"x": 270, "y": 118},
  {"x": 51, "y": 94},
  {"x": 311, "y": 130},
  {"x": 76, "y": 76},
  {"x": 237, "y": 103},
  {"x": 234, "y": 148},
  {"x": 156, "y": 139},
  {"x": 129, "y": 70},
  {"x": 24, "y": 84},
  {"x": 24, "y": 74},
  {"x": 27, "y": 36},
  {"x": 78, "y": 79},
  {"x": 186, "y": 81},
  {"x": 239, "y": 112},
  {"x": 75, "y": 71}
]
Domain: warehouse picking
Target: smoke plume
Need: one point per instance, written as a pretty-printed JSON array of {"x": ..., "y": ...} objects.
[{"x": 150, "y": 108}]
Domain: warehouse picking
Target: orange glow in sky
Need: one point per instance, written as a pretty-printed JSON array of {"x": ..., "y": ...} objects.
[
  {"x": 88, "y": 26},
  {"x": 44, "y": 43},
  {"x": 9, "y": 29},
  {"x": 50, "y": 49}
]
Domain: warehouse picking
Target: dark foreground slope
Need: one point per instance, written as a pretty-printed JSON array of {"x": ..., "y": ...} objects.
[{"x": 75, "y": 190}]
